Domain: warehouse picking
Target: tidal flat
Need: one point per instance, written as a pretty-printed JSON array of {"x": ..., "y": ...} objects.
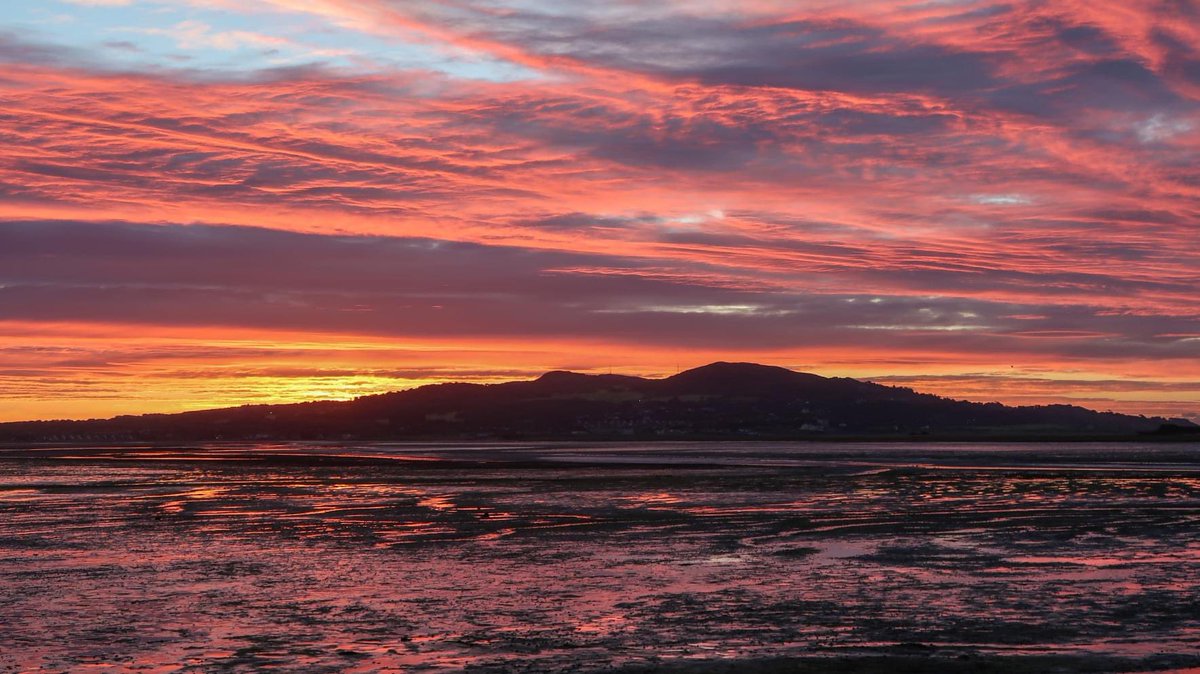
[{"x": 673, "y": 557}]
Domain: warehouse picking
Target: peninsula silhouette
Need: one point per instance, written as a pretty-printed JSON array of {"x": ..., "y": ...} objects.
[{"x": 716, "y": 401}]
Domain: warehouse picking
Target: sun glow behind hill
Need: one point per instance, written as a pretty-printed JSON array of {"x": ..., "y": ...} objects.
[{"x": 170, "y": 370}]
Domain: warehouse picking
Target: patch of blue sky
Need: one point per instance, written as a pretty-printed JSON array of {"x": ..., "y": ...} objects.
[{"x": 155, "y": 35}]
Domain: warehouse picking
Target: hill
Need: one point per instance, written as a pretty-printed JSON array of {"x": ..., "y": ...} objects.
[{"x": 717, "y": 401}]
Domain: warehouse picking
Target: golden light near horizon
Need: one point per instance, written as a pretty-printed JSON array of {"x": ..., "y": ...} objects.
[{"x": 171, "y": 370}]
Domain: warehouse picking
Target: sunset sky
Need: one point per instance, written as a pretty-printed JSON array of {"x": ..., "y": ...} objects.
[{"x": 216, "y": 202}]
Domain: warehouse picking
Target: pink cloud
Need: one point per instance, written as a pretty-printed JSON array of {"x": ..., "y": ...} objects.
[{"x": 1008, "y": 181}]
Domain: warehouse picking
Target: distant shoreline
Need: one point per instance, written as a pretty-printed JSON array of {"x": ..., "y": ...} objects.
[
  {"x": 718, "y": 402},
  {"x": 821, "y": 458},
  {"x": 1183, "y": 435}
]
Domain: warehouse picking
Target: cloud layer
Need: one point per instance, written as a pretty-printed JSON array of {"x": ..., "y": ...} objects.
[{"x": 997, "y": 200}]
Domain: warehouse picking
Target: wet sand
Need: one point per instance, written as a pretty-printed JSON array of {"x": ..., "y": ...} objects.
[{"x": 628, "y": 558}]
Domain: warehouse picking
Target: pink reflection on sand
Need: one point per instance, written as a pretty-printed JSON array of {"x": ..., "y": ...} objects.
[{"x": 365, "y": 567}]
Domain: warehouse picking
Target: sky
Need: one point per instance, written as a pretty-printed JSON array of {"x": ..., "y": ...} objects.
[{"x": 217, "y": 202}]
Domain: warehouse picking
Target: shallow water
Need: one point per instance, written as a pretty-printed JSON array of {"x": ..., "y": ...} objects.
[{"x": 390, "y": 557}]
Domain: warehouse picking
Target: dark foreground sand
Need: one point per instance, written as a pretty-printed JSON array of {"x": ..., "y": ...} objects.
[
  {"x": 685, "y": 558},
  {"x": 928, "y": 664}
]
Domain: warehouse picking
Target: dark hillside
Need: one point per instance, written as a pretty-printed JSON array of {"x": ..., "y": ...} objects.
[{"x": 717, "y": 401}]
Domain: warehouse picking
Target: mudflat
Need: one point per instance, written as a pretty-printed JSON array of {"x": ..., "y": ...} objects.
[{"x": 705, "y": 557}]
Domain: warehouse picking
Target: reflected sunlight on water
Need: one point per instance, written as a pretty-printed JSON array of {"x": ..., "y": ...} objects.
[{"x": 465, "y": 558}]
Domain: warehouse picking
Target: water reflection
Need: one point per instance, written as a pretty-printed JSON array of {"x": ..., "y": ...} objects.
[{"x": 251, "y": 563}]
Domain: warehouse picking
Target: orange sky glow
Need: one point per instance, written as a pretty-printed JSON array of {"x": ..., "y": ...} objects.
[{"x": 206, "y": 203}]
